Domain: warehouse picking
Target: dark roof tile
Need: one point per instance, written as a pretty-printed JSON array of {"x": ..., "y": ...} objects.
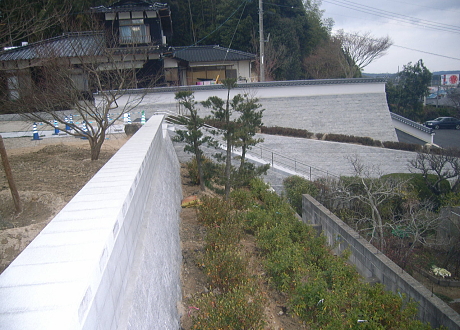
[
  {"x": 210, "y": 54},
  {"x": 67, "y": 45},
  {"x": 124, "y": 5}
]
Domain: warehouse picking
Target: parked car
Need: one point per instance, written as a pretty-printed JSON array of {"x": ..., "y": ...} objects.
[{"x": 443, "y": 122}]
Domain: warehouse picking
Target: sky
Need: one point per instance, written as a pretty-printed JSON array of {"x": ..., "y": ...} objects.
[{"x": 420, "y": 29}]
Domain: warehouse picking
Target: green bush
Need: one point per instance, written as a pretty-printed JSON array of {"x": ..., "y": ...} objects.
[
  {"x": 241, "y": 199},
  {"x": 240, "y": 308},
  {"x": 210, "y": 170},
  {"x": 451, "y": 199},
  {"x": 286, "y": 131},
  {"x": 418, "y": 185},
  {"x": 214, "y": 211},
  {"x": 242, "y": 177},
  {"x": 402, "y": 146},
  {"x": 226, "y": 268},
  {"x": 295, "y": 186}
]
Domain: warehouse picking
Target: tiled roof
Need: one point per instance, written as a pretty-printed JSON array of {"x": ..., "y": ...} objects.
[
  {"x": 124, "y": 5},
  {"x": 67, "y": 45},
  {"x": 210, "y": 54}
]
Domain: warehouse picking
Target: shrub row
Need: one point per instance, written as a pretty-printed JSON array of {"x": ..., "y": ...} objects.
[
  {"x": 323, "y": 289},
  {"x": 402, "y": 146},
  {"x": 285, "y": 131},
  {"x": 233, "y": 301},
  {"x": 363, "y": 140}
]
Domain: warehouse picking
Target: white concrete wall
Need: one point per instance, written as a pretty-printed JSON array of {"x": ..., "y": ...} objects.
[
  {"x": 341, "y": 106},
  {"x": 111, "y": 258}
]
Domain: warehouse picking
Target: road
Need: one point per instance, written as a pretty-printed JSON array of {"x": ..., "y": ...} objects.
[{"x": 447, "y": 138}]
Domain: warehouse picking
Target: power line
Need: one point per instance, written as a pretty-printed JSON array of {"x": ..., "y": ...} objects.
[
  {"x": 425, "y": 52},
  {"x": 390, "y": 15},
  {"x": 217, "y": 28},
  {"x": 413, "y": 49}
]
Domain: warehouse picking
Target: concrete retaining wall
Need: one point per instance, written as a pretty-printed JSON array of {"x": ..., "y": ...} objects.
[
  {"x": 373, "y": 264},
  {"x": 342, "y": 106},
  {"x": 111, "y": 258}
]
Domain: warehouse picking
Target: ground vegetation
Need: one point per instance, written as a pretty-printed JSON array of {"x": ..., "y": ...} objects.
[
  {"x": 401, "y": 214},
  {"x": 255, "y": 239}
]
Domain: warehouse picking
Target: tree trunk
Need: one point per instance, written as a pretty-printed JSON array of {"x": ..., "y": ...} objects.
[
  {"x": 228, "y": 165},
  {"x": 199, "y": 166},
  {"x": 243, "y": 157},
  {"x": 9, "y": 177},
  {"x": 95, "y": 144}
]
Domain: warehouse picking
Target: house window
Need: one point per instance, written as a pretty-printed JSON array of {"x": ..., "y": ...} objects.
[{"x": 134, "y": 31}]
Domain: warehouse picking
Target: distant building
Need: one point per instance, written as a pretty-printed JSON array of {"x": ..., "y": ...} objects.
[{"x": 133, "y": 34}]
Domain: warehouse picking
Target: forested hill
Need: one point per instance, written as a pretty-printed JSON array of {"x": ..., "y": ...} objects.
[{"x": 294, "y": 28}]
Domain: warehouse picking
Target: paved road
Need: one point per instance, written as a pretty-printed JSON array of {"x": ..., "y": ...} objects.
[{"x": 447, "y": 138}]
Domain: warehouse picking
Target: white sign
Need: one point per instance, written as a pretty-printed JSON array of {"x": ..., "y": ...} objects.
[{"x": 449, "y": 79}]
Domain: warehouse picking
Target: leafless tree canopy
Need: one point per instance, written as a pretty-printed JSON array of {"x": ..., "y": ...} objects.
[
  {"x": 359, "y": 50},
  {"x": 443, "y": 166},
  {"x": 94, "y": 84},
  {"x": 369, "y": 191},
  {"x": 324, "y": 62},
  {"x": 272, "y": 58}
]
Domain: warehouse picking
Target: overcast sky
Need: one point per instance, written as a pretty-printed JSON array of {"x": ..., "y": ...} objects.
[{"x": 393, "y": 18}]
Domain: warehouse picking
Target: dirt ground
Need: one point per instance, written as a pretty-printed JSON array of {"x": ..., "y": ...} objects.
[{"x": 49, "y": 172}]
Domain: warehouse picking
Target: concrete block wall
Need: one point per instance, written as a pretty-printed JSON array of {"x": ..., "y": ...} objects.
[
  {"x": 373, "y": 264},
  {"x": 111, "y": 258}
]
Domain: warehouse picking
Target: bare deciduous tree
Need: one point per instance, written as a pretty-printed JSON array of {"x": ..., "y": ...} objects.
[
  {"x": 273, "y": 57},
  {"x": 324, "y": 62},
  {"x": 369, "y": 190},
  {"x": 94, "y": 84},
  {"x": 454, "y": 97},
  {"x": 443, "y": 166},
  {"x": 415, "y": 226},
  {"x": 359, "y": 50}
]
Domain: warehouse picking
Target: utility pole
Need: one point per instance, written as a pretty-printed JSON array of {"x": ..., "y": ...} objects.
[{"x": 261, "y": 42}]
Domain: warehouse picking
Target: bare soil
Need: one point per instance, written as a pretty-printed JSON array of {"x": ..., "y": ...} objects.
[{"x": 49, "y": 172}]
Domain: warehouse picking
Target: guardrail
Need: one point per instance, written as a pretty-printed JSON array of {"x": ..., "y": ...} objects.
[
  {"x": 261, "y": 153},
  {"x": 298, "y": 167}
]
